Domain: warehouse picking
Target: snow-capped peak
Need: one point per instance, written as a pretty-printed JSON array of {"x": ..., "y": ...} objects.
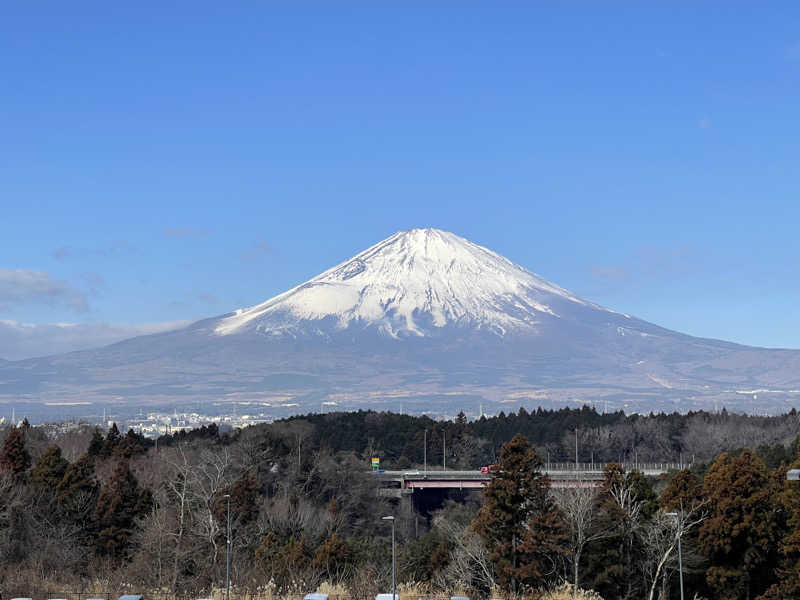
[{"x": 410, "y": 284}]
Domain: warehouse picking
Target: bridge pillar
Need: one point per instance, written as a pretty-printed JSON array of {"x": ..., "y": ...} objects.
[{"x": 409, "y": 514}]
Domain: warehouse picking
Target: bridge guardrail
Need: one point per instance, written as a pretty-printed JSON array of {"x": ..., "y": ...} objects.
[{"x": 560, "y": 467}]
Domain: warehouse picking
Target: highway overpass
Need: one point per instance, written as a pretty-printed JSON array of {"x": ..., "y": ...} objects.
[{"x": 561, "y": 475}]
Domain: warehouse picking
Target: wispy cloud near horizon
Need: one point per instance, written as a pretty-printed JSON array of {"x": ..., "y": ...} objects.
[
  {"x": 19, "y": 340},
  {"x": 25, "y": 286}
]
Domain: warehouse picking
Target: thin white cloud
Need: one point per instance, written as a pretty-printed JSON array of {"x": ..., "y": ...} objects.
[
  {"x": 186, "y": 232},
  {"x": 648, "y": 264},
  {"x": 26, "y": 340},
  {"x": 610, "y": 272},
  {"x": 259, "y": 251},
  {"x": 115, "y": 248},
  {"x": 26, "y": 286},
  {"x": 792, "y": 51}
]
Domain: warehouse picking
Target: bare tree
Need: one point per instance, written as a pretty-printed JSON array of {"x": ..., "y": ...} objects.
[
  {"x": 209, "y": 480},
  {"x": 469, "y": 563},
  {"x": 177, "y": 486},
  {"x": 661, "y": 537},
  {"x": 578, "y": 506},
  {"x": 624, "y": 496},
  {"x": 154, "y": 542}
]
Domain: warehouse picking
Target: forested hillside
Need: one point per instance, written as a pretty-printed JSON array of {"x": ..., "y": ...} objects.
[
  {"x": 90, "y": 509},
  {"x": 399, "y": 439}
]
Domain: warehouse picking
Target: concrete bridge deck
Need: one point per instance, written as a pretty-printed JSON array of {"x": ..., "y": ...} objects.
[{"x": 561, "y": 475}]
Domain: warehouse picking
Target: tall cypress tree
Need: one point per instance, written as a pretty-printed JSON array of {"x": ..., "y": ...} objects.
[
  {"x": 111, "y": 442},
  {"x": 740, "y": 537},
  {"x": 519, "y": 522},
  {"x": 76, "y": 497},
  {"x": 96, "y": 443},
  {"x": 49, "y": 470},
  {"x": 120, "y": 503},
  {"x": 15, "y": 458},
  {"x": 78, "y": 481}
]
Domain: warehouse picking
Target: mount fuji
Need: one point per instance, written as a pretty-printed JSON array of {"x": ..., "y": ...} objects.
[
  {"x": 425, "y": 321},
  {"x": 417, "y": 283}
]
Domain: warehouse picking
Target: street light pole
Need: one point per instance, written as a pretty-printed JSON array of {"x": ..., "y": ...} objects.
[
  {"x": 228, "y": 553},
  {"x": 394, "y": 580},
  {"x": 680, "y": 557},
  {"x": 680, "y": 564}
]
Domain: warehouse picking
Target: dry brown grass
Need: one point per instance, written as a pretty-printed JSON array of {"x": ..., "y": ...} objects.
[
  {"x": 567, "y": 592},
  {"x": 406, "y": 591}
]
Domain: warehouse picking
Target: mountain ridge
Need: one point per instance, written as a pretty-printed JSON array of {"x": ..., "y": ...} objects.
[{"x": 425, "y": 318}]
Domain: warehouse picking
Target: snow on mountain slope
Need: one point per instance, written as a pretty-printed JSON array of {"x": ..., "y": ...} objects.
[{"x": 408, "y": 285}]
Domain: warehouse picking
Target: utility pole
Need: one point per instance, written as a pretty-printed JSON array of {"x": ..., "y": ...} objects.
[
  {"x": 576, "y": 448},
  {"x": 425, "y": 452},
  {"x": 444, "y": 450}
]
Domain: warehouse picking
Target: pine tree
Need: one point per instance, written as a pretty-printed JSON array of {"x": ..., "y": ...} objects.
[
  {"x": 15, "y": 459},
  {"x": 519, "y": 522}
]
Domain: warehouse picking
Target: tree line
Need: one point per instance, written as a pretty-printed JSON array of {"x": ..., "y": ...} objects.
[
  {"x": 400, "y": 440},
  {"x": 102, "y": 506}
]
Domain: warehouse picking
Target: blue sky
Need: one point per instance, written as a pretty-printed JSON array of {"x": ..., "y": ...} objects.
[{"x": 162, "y": 162}]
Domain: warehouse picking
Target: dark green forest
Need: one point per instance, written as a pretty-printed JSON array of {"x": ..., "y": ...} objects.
[{"x": 89, "y": 509}]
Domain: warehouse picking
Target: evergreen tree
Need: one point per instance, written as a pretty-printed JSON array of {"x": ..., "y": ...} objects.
[
  {"x": 740, "y": 535},
  {"x": 96, "y": 444},
  {"x": 131, "y": 445},
  {"x": 120, "y": 503},
  {"x": 788, "y": 569},
  {"x": 111, "y": 442},
  {"x": 76, "y": 499},
  {"x": 49, "y": 470},
  {"x": 626, "y": 500},
  {"x": 78, "y": 481},
  {"x": 15, "y": 459},
  {"x": 684, "y": 490},
  {"x": 244, "y": 500},
  {"x": 519, "y": 522},
  {"x": 332, "y": 558}
]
